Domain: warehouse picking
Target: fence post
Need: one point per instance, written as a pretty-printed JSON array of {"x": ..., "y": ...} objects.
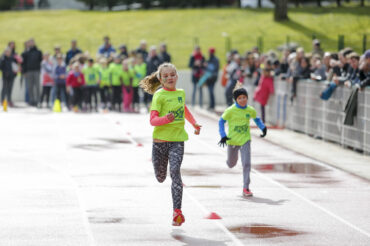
[
  {"x": 364, "y": 43},
  {"x": 340, "y": 42},
  {"x": 227, "y": 44},
  {"x": 288, "y": 42},
  {"x": 260, "y": 44},
  {"x": 196, "y": 41}
]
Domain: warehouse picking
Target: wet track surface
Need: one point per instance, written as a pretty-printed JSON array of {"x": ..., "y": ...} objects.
[{"x": 84, "y": 179}]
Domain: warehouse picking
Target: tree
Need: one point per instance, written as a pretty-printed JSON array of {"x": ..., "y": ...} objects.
[
  {"x": 318, "y": 3},
  {"x": 90, "y": 3},
  {"x": 111, "y": 3},
  {"x": 281, "y": 10},
  {"x": 259, "y": 3},
  {"x": 338, "y": 3},
  {"x": 7, "y": 4},
  {"x": 362, "y": 3}
]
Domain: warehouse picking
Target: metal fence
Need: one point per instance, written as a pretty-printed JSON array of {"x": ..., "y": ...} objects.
[{"x": 309, "y": 114}]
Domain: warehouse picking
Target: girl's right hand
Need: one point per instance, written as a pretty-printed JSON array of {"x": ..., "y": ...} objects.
[{"x": 170, "y": 117}]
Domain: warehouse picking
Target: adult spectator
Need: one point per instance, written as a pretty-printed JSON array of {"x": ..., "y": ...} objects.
[
  {"x": 106, "y": 50},
  {"x": 196, "y": 63},
  {"x": 318, "y": 69},
  {"x": 305, "y": 71},
  {"x": 234, "y": 74},
  {"x": 316, "y": 49},
  {"x": 353, "y": 77},
  {"x": 123, "y": 53},
  {"x": 72, "y": 52},
  {"x": 153, "y": 61},
  {"x": 213, "y": 66},
  {"x": 24, "y": 71},
  {"x": 9, "y": 69},
  {"x": 32, "y": 63},
  {"x": 142, "y": 50},
  {"x": 365, "y": 70},
  {"x": 284, "y": 63},
  {"x": 163, "y": 54}
]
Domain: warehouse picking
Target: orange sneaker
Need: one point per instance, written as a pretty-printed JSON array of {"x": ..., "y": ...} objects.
[
  {"x": 178, "y": 218},
  {"x": 247, "y": 192}
]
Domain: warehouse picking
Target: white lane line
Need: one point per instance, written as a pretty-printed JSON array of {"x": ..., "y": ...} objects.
[
  {"x": 216, "y": 150},
  {"x": 219, "y": 224},
  {"x": 80, "y": 201}
]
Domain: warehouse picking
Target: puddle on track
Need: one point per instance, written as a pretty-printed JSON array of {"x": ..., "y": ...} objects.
[
  {"x": 263, "y": 231},
  {"x": 300, "y": 168}
]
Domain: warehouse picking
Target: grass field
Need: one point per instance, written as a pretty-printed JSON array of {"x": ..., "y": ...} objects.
[{"x": 180, "y": 28}]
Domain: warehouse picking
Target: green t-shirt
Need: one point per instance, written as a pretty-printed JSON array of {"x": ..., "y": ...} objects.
[
  {"x": 127, "y": 76},
  {"x": 115, "y": 73},
  {"x": 238, "y": 121},
  {"x": 91, "y": 75},
  {"x": 140, "y": 73},
  {"x": 166, "y": 102},
  {"x": 104, "y": 73}
]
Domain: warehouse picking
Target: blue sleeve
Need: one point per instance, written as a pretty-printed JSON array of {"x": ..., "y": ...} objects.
[
  {"x": 221, "y": 127},
  {"x": 259, "y": 123}
]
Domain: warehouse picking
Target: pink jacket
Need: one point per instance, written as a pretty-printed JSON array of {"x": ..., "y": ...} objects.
[{"x": 264, "y": 89}]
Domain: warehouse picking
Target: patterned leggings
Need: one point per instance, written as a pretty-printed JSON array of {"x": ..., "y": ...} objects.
[{"x": 161, "y": 154}]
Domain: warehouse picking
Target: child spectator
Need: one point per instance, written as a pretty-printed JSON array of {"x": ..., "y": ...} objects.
[
  {"x": 59, "y": 75},
  {"x": 264, "y": 89},
  {"x": 105, "y": 94},
  {"x": 92, "y": 78},
  {"x": 75, "y": 83},
  {"x": 140, "y": 73},
  {"x": 46, "y": 78},
  {"x": 115, "y": 71},
  {"x": 127, "y": 78}
]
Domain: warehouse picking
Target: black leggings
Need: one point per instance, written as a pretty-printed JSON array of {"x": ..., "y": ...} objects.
[
  {"x": 117, "y": 97},
  {"x": 77, "y": 97},
  {"x": 161, "y": 154},
  {"x": 90, "y": 92},
  {"x": 45, "y": 93},
  {"x": 105, "y": 95}
]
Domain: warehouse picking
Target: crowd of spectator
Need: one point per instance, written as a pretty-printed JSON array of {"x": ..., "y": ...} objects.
[
  {"x": 75, "y": 78},
  {"x": 343, "y": 68}
]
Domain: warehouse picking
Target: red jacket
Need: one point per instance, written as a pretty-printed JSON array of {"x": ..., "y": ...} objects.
[
  {"x": 74, "y": 81},
  {"x": 264, "y": 89}
]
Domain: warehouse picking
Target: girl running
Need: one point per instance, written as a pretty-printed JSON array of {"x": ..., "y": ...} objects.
[
  {"x": 239, "y": 138},
  {"x": 167, "y": 115}
]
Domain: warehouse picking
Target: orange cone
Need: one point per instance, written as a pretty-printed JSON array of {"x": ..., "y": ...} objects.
[{"x": 213, "y": 216}]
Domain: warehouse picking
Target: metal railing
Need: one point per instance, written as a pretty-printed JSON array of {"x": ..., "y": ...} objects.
[{"x": 309, "y": 114}]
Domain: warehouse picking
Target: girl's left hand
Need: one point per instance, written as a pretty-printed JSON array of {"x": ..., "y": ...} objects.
[{"x": 197, "y": 129}]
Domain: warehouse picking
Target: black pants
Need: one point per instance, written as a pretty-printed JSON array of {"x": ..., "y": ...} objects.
[
  {"x": 117, "y": 97},
  {"x": 45, "y": 93},
  {"x": 61, "y": 89},
  {"x": 105, "y": 95},
  {"x": 211, "y": 86},
  {"x": 90, "y": 92},
  {"x": 6, "y": 92},
  {"x": 77, "y": 97},
  {"x": 147, "y": 98}
]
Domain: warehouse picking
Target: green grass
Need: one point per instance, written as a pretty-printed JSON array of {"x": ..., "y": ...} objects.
[{"x": 180, "y": 27}]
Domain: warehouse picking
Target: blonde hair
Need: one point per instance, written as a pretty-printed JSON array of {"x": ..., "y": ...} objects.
[{"x": 152, "y": 82}]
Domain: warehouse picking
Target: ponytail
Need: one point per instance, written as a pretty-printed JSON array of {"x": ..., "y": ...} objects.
[{"x": 150, "y": 83}]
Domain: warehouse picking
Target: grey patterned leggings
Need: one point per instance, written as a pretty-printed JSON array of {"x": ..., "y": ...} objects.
[{"x": 161, "y": 154}]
